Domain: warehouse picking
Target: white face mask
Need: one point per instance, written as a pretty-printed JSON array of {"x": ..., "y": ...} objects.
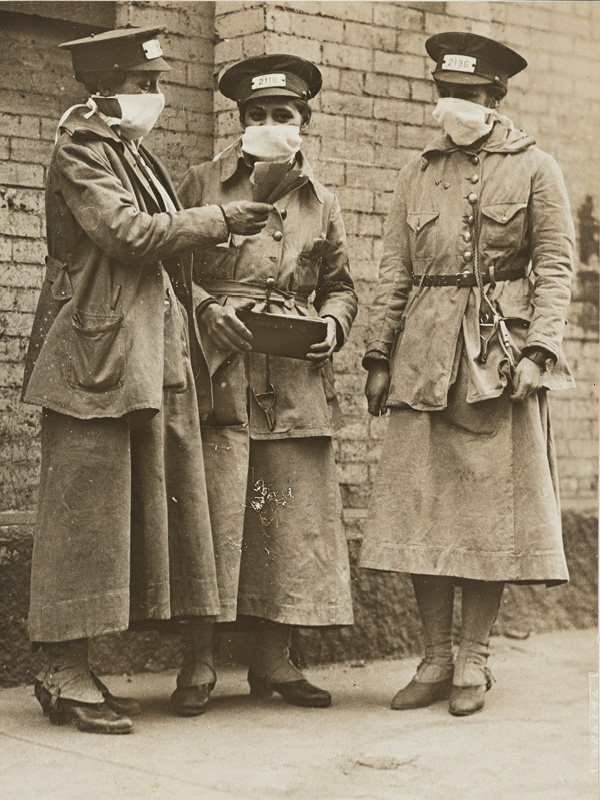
[
  {"x": 139, "y": 113},
  {"x": 464, "y": 121},
  {"x": 278, "y": 143}
]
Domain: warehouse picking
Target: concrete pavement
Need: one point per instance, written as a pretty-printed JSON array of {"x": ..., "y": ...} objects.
[{"x": 531, "y": 741}]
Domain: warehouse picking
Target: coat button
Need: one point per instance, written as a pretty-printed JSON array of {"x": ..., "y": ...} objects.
[
  {"x": 467, "y": 255},
  {"x": 470, "y": 219},
  {"x": 474, "y": 178},
  {"x": 446, "y": 185},
  {"x": 475, "y": 160},
  {"x": 472, "y": 198},
  {"x": 284, "y": 213},
  {"x": 278, "y": 236},
  {"x": 466, "y": 236}
]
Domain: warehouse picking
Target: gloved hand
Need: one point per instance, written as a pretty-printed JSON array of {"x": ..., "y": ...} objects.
[
  {"x": 246, "y": 217},
  {"x": 224, "y": 328},
  {"x": 318, "y": 354},
  {"x": 377, "y": 387}
]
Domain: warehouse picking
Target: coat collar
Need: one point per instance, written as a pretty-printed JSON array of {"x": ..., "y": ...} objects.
[
  {"x": 502, "y": 139},
  {"x": 80, "y": 126},
  {"x": 232, "y": 159}
]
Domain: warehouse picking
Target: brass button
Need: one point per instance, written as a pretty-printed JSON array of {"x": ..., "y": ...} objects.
[
  {"x": 467, "y": 255},
  {"x": 284, "y": 213},
  {"x": 474, "y": 178},
  {"x": 470, "y": 219},
  {"x": 472, "y": 198},
  {"x": 466, "y": 236},
  {"x": 278, "y": 236},
  {"x": 475, "y": 160},
  {"x": 446, "y": 185}
]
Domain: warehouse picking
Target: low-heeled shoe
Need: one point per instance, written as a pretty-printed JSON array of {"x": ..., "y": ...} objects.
[
  {"x": 419, "y": 695},
  {"x": 88, "y": 717},
  {"x": 296, "y": 693},
  {"x": 191, "y": 701},
  {"x": 122, "y": 705}
]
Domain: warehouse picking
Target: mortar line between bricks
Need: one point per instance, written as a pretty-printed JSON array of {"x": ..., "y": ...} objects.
[{"x": 107, "y": 761}]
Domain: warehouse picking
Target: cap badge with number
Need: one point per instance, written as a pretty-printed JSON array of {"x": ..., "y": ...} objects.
[
  {"x": 124, "y": 49},
  {"x": 470, "y": 58},
  {"x": 271, "y": 75}
]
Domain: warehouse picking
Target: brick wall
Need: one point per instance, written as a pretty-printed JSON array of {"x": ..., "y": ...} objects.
[
  {"x": 36, "y": 87},
  {"x": 374, "y": 113}
]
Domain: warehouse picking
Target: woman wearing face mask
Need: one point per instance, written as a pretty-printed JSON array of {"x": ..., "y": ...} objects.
[
  {"x": 123, "y": 532},
  {"x": 464, "y": 342},
  {"x": 273, "y": 493}
]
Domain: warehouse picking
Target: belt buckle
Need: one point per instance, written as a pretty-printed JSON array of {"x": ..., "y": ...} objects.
[{"x": 462, "y": 278}]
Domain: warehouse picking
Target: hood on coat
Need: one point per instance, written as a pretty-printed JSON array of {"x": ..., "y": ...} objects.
[{"x": 502, "y": 139}]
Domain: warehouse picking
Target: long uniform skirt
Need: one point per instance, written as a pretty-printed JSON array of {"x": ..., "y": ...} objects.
[
  {"x": 280, "y": 548},
  {"x": 471, "y": 493},
  {"x": 123, "y": 531}
]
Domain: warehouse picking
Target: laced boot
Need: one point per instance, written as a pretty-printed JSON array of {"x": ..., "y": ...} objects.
[
  {"x": 197, "y": 676},
  {"x": 271, "y": 670},
  {"x": 433, "y": 679},
  {"x": 472, "y": 678},
  {"x": 68, "y": 693}
]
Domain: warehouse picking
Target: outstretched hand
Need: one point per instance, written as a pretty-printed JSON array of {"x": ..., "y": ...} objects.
[{"x": 245, "y": 217}]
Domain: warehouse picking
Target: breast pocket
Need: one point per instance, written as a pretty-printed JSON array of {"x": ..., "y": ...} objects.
[
  {"x": 215, "y": 263},
  {"x": 503, "y": 225},
  {"x": 424, "y": 232},
  {"x": 97, "y": 353}
]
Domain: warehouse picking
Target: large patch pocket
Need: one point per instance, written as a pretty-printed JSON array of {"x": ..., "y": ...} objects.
[
  {"x": 503, "y": 225},
  {"x": 424, "y": 233},
  {"x": 97, "y": 357}
]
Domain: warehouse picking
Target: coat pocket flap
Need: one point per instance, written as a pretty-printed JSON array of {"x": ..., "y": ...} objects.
[
  {"x": 502, "y": 212},
  {"x": 417, "y": 221}
]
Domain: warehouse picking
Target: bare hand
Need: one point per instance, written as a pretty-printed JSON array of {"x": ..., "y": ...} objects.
[
  {"x": 245, "y": 217},
  {"x": 320, "y": 353},
  {"x": 527, "y": 380},
  {"x": 377, "y": 388},
  {"x": 223, "y": 327}
]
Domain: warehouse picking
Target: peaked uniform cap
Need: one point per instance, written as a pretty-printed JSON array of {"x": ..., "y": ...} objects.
[
  {"x": 271, "y": 75},
  {"x": 469, "y": 58},
  {"x": 126, "y": 49}
]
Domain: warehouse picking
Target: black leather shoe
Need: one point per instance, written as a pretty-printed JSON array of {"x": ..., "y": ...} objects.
[
  {"x": 88, "y": 717},
  {"x": 122, "y": 705},
  {"x": 296, "y": 693},
  {"x": 191, "y": 701},
  {"x": 420, "y": 695}
]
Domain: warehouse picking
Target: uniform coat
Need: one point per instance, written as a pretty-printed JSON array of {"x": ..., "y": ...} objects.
[
  {"x": 123, "y": 530},
  {"x": 467, "y": 482},
  {"x": 273, "y": 493}
]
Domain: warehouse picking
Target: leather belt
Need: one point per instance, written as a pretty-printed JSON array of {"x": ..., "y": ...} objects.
[
  {"x": 468, "y": 278},
  {"x": 252, "y": 290}
]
